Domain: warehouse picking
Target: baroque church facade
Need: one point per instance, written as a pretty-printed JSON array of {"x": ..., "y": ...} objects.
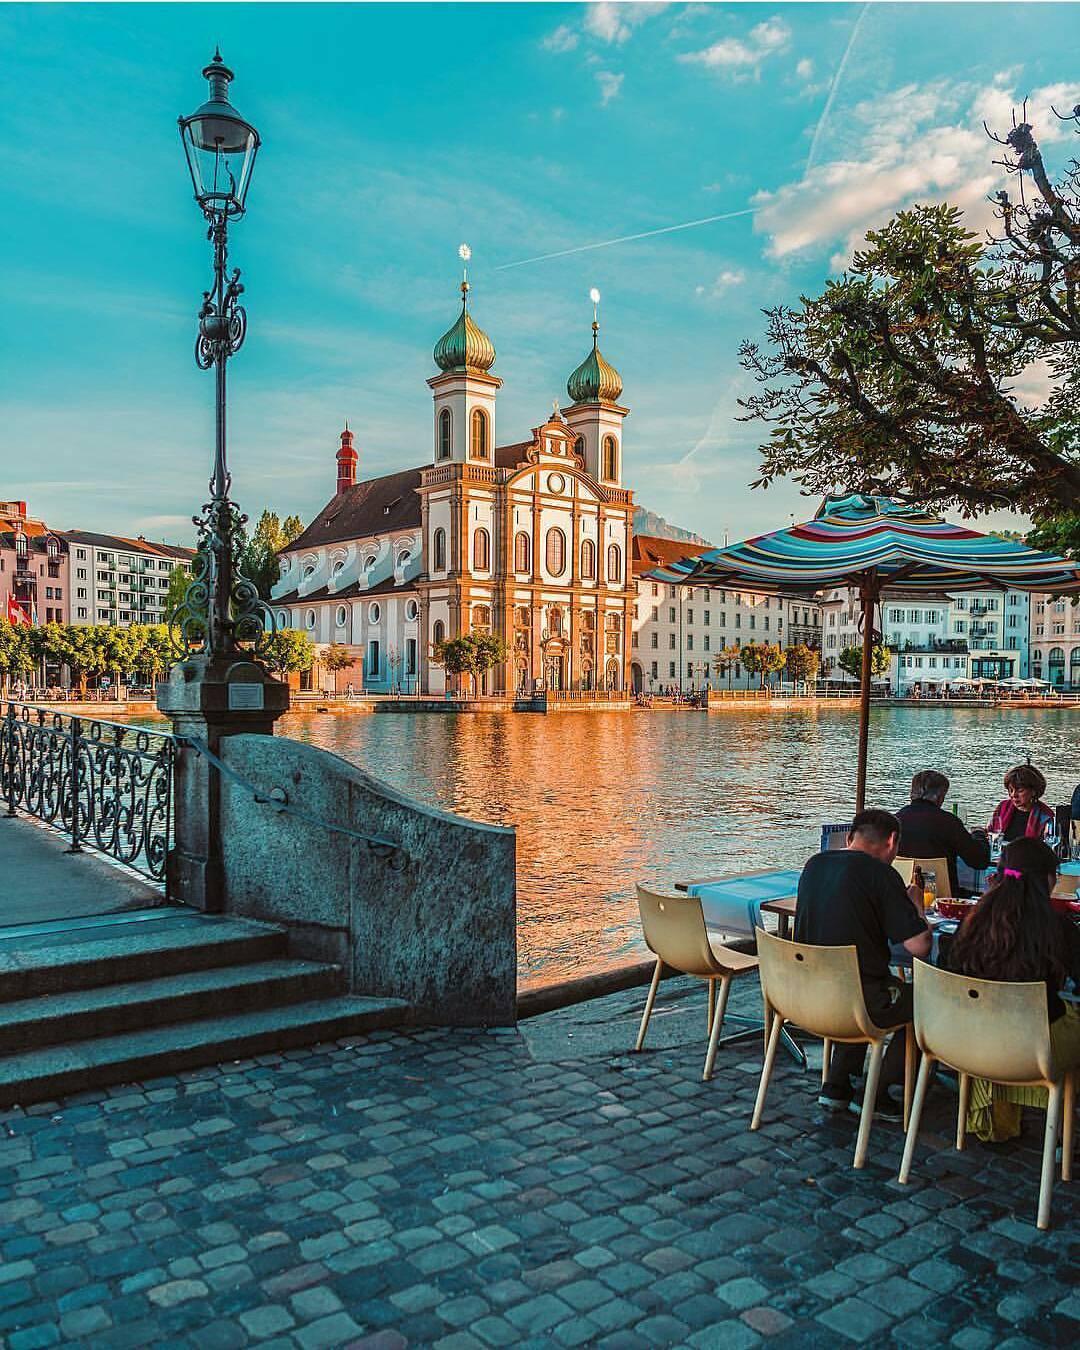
[{"x": 531, "y": 541}]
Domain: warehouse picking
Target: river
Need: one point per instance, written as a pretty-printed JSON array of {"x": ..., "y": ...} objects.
[{"x": 601, "y": 800}]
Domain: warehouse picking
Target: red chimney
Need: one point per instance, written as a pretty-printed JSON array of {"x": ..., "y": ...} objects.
[{"x": 346, "y": 462}]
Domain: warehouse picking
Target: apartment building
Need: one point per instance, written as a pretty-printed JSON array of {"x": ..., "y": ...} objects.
[
  {"x": 1054, "y": 638},
  {"x": 33, "y": 567},
  {"x": 120, "y": 581}
]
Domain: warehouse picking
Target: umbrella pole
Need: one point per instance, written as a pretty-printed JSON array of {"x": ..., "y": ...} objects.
[{"x": 868, "y": 596}]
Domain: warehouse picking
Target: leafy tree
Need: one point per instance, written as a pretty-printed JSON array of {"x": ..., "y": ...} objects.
[
  {"x": 899, "y": 379},
  {"x": 179, "y": 581},
  {"x": 289, "y": 649},
  {"x": 336, "y": 658},
  {"x": 850, "y": 659},
  {"x": 727, "y": 662},
  {"x": 803, "y": 663},
  {"x": 16, "y": 657},
  {"x": 472, "y": 654},
  {"x": 760, "y": 658},
  {"x": 259, "y": 556}
]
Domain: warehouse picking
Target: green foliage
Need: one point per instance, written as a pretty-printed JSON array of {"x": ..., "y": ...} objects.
[
  {"x": 759, "y": 658},
  {"x": 179, "y": 580},
  {"x": 336, "y": 658},
  {"x": 727, "y": 662},
  {"x": 850, "y": 659},
  {"x": 259, "y": 555},
  {"x": 17, "y": 659},
  {"x": 803, "y": 663},
  {"x": 289, "y": 649},
  {"x": 471, "y": 654},
  {"x": 901, "y": 377},
  {"x": 86, "y": 650}
]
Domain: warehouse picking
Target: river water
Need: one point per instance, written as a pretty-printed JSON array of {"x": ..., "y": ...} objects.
[{"x": 602, "y": 800}]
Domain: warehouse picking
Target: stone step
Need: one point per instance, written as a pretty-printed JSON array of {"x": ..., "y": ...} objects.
[
  {"x": 108, "y": 1010},
  {"x": 74, "y": 1066},
  {"x": 124, "y": 953}
]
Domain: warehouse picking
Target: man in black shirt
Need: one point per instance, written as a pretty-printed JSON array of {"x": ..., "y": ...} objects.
[
  {"x": 926, "y": 831},
  {"x": 854, "y": 897}
]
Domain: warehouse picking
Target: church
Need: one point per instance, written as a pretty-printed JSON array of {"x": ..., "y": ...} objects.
[{"x": 531, "y": 541}]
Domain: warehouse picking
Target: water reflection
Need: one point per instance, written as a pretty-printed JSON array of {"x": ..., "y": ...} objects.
[{"x": 601, "y": 800}]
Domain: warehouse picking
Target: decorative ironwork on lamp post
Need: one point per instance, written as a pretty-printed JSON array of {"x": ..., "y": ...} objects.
[{"x": 221, "y": 608}]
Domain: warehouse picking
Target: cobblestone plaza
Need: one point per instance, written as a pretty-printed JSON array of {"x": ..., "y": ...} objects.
[{"x": 531, "y": 1187}]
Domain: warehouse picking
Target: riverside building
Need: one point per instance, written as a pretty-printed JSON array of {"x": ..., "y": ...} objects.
[
  {"x": 33, "y": 568},
  {"x": 530, "y": 540},
  {"x": 119, "y": 581},
  {"x": 1054, "y": 635}
]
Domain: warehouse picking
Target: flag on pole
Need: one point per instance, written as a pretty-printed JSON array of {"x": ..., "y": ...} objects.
[{"x": 16, "y": 614}]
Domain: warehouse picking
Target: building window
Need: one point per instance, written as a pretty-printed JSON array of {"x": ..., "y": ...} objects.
[
  {"x": 522, "y": 550},
  {"x": 446, "y": 434},
  {"x": 655, "y": 640},
  {"x": 438, "y": 632},
  {"x": 373, "y": 659},
  {"x": 479, "y": 434},
  {"x": 412, "y": 610},
  {"x": 481, "y": 550},
  {"x": 611, "y": 460},
  {"x": 342, "y": 615},
  {"x": 556, "y": 552},
  {"x": 481, "y": 618},
  {"x": 410, "y": 657},
  {"x": 310, "y": 620},
  {"x": 588, "y": 560},
  {"x": 374, "y": 612},
  {"x": 283, "y": 618},
  {"x": 438, "y": 551},
  {"x": 614, "y": 562},
  {"x": 579, "y": 447}
]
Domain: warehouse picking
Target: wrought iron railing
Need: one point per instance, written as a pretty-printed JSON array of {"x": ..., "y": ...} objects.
[{"x": 103, "y": 784}]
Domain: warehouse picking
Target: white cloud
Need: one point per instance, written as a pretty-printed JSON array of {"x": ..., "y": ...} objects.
[
  {"x": 610, "y": 84},
  {"x": 615, "y": 22},
  {"x": 914, "y": 144},
  {"x": 564, "y": 39},
  {"x": 728, "y": 278},
  {"x": 741, "y": 59},
  {"x": 805, "y": 68}
]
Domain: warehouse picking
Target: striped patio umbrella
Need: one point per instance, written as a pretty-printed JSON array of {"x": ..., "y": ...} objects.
[{"x": 875, "y": 545}]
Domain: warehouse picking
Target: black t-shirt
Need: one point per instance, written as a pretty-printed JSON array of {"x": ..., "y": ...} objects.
[
  {"x": 847, "y": 898},
  {"x": 1017, "y": 826}
]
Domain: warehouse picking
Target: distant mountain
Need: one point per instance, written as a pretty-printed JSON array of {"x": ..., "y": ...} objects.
[{"x": 648, "y": 522}]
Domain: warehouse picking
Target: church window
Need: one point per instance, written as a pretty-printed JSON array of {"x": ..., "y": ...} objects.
[
  {"x": 481, "y": 550},
  {"x": 588, "y": 560},
  {"x": 614, "y": 562},
  {"x": 374, "y": 613},
  {"x": 522, "y": 549},
  {"x": 342, "y": 615},
  {"x": 283, "y": 618},
  {"x": 579, "y": 446},
  {"x": 309, "y": 570},
  {"x": 481, "y": 617},
  {"x": 479, "y": 435},
  {"x": 614, "y": 623},
  {"x": 373, "y": 659},
  {"x": 310, "y": 620},
  {"x": 412, "y": 609},
  {"x": 521, "y": 617},
  {"x": 369, "y": 562},
  {"x": 438, "y": 550},
  {"x": 438, "y": 632},
  {"x": 446, "y": 425},
  {"x": 611, "y": 459},
  {"x": 339, "y": 566},
  {"x": 556, "y": 551},
  {"x": 404, "y": 558}
]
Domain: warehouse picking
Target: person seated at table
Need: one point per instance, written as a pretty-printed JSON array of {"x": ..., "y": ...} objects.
[
  {"x": 1014, "y": 933},
  {"x": 1022, "y": 815},
  {"x": 854, "y": 897},
  {"x": 926, "y": 831}
]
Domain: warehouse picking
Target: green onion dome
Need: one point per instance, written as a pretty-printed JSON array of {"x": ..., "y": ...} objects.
[
  {"x": 465, "y": 346},
  {"x": 595, "y": 380}
]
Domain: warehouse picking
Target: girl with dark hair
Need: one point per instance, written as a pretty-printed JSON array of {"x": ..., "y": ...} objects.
[
  {"x": 1022, "y": 815},
  {"x": 1014, "y": 933}
]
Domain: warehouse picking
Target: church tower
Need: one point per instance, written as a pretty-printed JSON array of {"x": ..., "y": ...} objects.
[
  {"x": 595, "y": 416},
  {"x": 464, "y": 390}
]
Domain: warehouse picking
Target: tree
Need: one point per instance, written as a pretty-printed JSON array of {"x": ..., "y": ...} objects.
[
  {"x": 472, "y": 654},
  {"x": 289, "y": 649},
  {"x": 899, "y": 379},
  {"x": 850, "y": 659},
  {"x": 762, "y": 659},
  {"x": 179, "y": 581},
  {"x": 16, "y": 656},
  {"x": 803, "y": 663},
  {"x": 726, "y": 662},
  {"x": 336, "y": 658},
  {"x": 259, "y": 555}
]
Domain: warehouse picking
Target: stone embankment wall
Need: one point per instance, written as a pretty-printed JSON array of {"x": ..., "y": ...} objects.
[{"x": 435, "y": 924}]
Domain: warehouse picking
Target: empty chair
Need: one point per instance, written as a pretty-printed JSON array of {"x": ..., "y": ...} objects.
[
  {"x": 818, "y": 989},
  {"x": 674, "y": 928},
  {"x": 998, "y": 1030}
]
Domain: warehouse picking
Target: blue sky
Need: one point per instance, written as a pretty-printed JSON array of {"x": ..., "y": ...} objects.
[{"x": 394, "y": 132}]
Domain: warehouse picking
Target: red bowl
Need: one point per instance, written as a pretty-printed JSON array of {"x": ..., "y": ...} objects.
[
  {"x": 949, "y": 907},
  {"x": 1064, "y": 905}
]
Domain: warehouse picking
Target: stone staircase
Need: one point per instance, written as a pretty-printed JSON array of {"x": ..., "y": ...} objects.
[{"x": 146, "y": 993}]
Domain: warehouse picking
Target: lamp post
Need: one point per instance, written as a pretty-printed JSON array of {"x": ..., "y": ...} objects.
[{"x": 221, "y": 608}]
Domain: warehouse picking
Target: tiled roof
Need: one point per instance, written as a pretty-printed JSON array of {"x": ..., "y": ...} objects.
[
  {"x": 375, "y": 506},
  {"x": 36, "y": 539},
  {"x": 650, "y": 550},
  {"x": 124, "y": 545}
]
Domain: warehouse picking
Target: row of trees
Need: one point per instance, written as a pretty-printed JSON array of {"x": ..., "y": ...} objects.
[
  {"x": 800, "y": 663},
  {"x": 142, "y": 652}
]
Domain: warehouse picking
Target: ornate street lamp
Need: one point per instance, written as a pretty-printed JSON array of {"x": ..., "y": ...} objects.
[{"x": 221, "y": 608}]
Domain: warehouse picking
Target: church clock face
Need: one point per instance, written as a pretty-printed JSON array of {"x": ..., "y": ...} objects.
[{"x": 556, "y": 482}]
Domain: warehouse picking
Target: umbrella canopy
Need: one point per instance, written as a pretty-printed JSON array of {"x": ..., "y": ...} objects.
[{"x": 876, "y": 545}]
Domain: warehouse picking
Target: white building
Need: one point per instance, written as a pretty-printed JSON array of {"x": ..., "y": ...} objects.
[
  {"x": 1054, "y": 635},
  {"x": 119, "y": 581}
]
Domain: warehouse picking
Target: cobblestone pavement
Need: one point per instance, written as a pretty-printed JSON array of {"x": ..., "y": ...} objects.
[{"x": 536, "y": 1187}]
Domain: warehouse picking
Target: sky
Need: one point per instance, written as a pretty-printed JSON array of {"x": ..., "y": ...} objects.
[{"x": 392, "y": 134}]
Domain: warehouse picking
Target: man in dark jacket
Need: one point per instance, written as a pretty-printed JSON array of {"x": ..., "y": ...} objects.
[{"x": 926, "y": 831}]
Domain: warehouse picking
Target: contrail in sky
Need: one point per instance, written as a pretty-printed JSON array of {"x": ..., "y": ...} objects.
[
  {"x": 628, "y": 238},
  {"x": 833, "y": 88}
]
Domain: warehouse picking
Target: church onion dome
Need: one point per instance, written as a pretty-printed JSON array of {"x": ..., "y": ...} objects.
[
  {"x": 465, "y": 346},
  {"x": 595, "y": 380}
]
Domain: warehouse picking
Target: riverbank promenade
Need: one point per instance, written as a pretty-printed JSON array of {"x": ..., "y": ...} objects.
[{"x": 537, "y": 1186}]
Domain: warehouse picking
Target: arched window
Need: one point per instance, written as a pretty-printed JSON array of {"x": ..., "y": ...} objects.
[
  {"x": 446, "y": 434},
  {"x": 579, "y": 446},
  {"x": 1055, "y": 665},
  {"x": 588, "y": 560},
  {"x": 614, "y": 562},
  {"x": 611, "y": 460},
  {"x": 555, "y": 621},
  {"x": 481, "y": 617},
  {"x": 339, "y": 566},
  {"x": 481, "y": 550},
  {"x": 1074, "y": 668},
  {"x": 522, "y": 550},
  {"x": 412, "y": 609},
  {"x": 479, "y": 434},
  {"x": 556, "y": 551},
  {"x": 438, "y": 551},
  {"x": 438, "y": 632},
  {"x": 341, "y": 616},
  {"x": 374, "y": 612}
]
